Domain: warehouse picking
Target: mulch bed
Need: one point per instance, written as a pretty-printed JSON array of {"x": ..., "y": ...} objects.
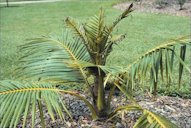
[
  {"x": 151, "y": 7},
  {"x": 175, "y": 109}
]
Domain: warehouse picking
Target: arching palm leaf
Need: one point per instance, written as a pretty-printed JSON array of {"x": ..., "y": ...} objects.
[
  {"x": 76, "y": 29},
  {"x": 18, "y": 99},
  {"x": 152, "y": 120},
  {"x": 161, "y": 59},
  {"x": 47, "y": 58},
  {"x": 148, "y": 119},
  {"x": 121, "y": 17}
]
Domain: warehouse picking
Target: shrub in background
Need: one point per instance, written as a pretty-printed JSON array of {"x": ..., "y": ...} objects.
[
  {"x": 160, "y": 4},
  {"x": 181, "y": 3}
]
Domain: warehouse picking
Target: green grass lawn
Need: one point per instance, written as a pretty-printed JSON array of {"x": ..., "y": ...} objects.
[{"x": 144, "y": 31}]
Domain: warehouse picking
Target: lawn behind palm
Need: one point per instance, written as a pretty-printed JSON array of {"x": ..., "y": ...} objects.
[{"x": 144, "y": 31}]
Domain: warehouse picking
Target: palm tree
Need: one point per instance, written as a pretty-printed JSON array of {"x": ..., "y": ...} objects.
[{"x": 48, "y": 62}]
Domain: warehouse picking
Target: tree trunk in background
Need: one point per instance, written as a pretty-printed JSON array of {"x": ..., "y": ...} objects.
[
  {"x": 181, "y": 7},
  {"x": 7, "y": 1}
]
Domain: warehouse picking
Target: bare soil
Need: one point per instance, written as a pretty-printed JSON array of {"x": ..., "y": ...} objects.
[{"x": 150, "y": 6}]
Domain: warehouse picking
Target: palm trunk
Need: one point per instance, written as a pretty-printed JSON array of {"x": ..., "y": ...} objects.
[
  {"x": 101, "y": 101},
  {"x": 99, "y": 98}
]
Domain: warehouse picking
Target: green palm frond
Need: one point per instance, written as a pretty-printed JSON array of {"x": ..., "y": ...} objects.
[
  {"x": 161, "y": 59},
  {"x": 90, "y": 33},
  {"x": 94, "y": 27},
  {"x": 77, "y": 29},
  {"x": 126, "y": 108},
  {"x": 117, "y": 38},
  {"x": 121, "y": 17},
  {"x": 96, "y": 32},
  {"x": 113, "y": 70},
  {"x": 47, "y": 58},
  {"x": 113, "y": 40},
  {"x": 152, "y": 120},
  {"x": 18, "y": 100},
  {"x": 96, "y": 35}
]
